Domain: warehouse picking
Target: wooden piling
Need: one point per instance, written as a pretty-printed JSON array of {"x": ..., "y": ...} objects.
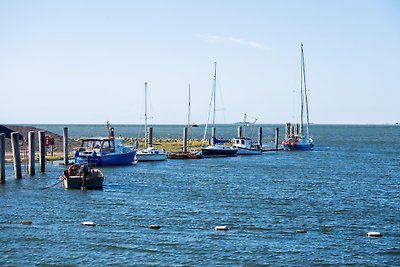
[
  {"x": 276, "y": 138},
  {"x": 2, "y": 158},
  {"x": 31, "y": 145},
  {"x": 16, "y": 155},
  {"x": 239, "y": 130},
  {"x": 185, "y": 139},
  {"x": 150, "y": 136},
  {"x": 287, "y": 130},
  {"x": 42, "y": 152},
  {"x": 213, "y": 131},
  {"x": 65, "y": 144},
  {"x": 260, "y": 137}
]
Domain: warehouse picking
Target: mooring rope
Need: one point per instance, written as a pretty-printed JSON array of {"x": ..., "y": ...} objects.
[{"x": 47, "y": 187}]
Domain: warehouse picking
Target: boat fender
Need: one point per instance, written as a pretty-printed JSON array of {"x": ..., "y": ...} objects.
[{"x": 74, "y": 169}]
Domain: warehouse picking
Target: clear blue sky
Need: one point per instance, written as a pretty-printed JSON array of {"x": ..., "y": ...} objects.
[{"x": 87, "y": 61}]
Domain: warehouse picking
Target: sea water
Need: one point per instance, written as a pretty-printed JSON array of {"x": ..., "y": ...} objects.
[{"x": 347, "y": 186}]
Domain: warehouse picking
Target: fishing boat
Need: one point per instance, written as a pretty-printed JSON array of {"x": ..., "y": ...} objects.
[
  {"x": 296, "y": 137},
  {"x": 217, "y": 147},
  {"x": 244, "y": 144},
  {"x": 149, "y": 153},
  {"x": 104, "y": 151},
  {"x": 82, "y": 177},
  {"x": 185, "y": 153}
]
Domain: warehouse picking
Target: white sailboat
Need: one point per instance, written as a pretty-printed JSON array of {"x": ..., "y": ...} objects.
[
  {"x": 217, "y": 147},
  {"x": 149, "y": 153},
  {"x": 296, "y": 137}
]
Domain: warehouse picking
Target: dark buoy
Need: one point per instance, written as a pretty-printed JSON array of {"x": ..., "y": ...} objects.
[
  {"x": 221, "y": 228},
  {"x": 26, "y": 222},
  {"x": 154, "y": 226},
  {"x": 301, "y": 231}
]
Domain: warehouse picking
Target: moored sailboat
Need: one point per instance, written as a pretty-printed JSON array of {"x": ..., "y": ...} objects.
[
  {"x": 296, "y": 137},
  {"x": 149, "y": 153},
  {"x": 217, "y": 147}
]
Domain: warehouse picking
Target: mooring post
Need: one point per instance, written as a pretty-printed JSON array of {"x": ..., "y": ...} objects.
[
  {"x": 2, "y": 158},
  {"x": 42, "y": 152},
  {"x": 150, "y": 135},
  {"x": 287, "y": 131},
  {"x": 213, "y": 136},
  {"x": 185, "y": 139},
  {"x": 260, "y": 137},
  {"x": 16, "y": 154},
  {"x": 65, "y": 145},
  {"x": 31, "y": 145},
  {"x": 239, "y": 131},
  {"x": 276, "y": 138}
]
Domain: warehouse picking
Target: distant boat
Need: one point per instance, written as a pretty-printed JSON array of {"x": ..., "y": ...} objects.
[
  {"x": 217, "y": 147},
  {"x": 82, "y": 177},
  {"x": 185, "y": 154},
  {"x": 104, "y": 151},
  {"x": 244, "y": 144},
  {"x": 149, "y": 153},
  {"x": 296, "y": 137}
]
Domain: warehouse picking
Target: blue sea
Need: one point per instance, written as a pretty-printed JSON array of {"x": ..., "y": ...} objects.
[{"x": 347, "y": 186}]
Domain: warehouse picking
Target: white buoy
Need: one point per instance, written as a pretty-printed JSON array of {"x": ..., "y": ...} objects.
[
  {"x": 221, "y": 228},
  {"x": 154, "y": 226},
  {"x": 374, "y": 234},
  {"x": 87, "y": 223}
]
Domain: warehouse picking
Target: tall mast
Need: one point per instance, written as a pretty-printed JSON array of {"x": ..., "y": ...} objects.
[
  {"x": 301, "y": 91},
  {"x": 188, "y": 124},
  {"x": 305, "y": 89},
  {"x": 214, "y": 91},
  {"x": 145, "y": 116}
]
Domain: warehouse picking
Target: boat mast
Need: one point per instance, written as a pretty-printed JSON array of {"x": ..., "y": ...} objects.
[
  {"x": 211, "y": 102},
  {"x": 301, "y": 92},
  {"x": 145, "y": 116},
  {"x": 305, "y": 91},
  {"x": 188, "y": 124},
  {"x": 214, "y": 91}
]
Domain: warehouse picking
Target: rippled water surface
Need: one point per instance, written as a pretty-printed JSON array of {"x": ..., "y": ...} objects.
[{"x": 349, "y": 185}]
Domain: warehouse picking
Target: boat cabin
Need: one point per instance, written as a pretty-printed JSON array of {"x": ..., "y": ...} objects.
[{"x": 99, "y": 145}]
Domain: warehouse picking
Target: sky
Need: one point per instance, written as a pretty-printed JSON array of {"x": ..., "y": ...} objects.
[{"x": 86, "y": 62}]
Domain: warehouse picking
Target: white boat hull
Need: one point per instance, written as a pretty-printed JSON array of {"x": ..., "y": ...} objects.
[
  {"x": 151, "y": 157},
  {"x": 248, "y": 151}
]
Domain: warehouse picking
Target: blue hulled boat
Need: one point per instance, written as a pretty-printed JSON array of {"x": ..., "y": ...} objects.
[
  {"x": 104, "y": 151},
  {"x": 296, "y": 137}
]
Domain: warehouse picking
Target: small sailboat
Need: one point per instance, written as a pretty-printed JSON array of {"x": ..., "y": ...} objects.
[
  {"x": 296, "y": 137},
  {"x": 217, "y": 147},
  {"x": 244, "y": 144},
  {"x": 149, "y": 153},
  {"x": 185, "y": 153}
]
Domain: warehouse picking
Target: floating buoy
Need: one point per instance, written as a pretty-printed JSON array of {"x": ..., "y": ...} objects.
[
  {"x": 374, "y": 234},
  {"x": 221, "y": 228},
  {"x": 154, "y": 226},
  {"x": 26, "y": 222},
  {"x": 88, "y": 223},
  {"x": 301, "y": 231}
]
